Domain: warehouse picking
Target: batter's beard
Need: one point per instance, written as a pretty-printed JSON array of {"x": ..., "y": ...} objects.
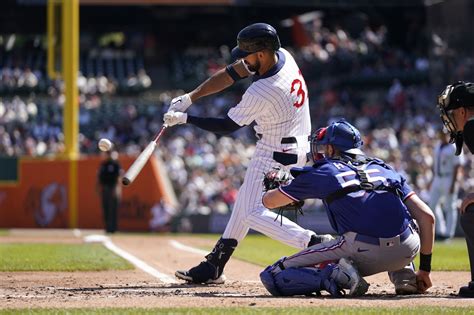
[{"x": 255, "y": 67}]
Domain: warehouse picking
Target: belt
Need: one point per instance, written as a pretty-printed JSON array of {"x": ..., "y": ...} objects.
[
  {"x": 284, "y": 140},
  {"x": 376, "y": 241}
]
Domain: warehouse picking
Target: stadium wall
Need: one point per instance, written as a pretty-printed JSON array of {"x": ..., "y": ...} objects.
[{"x": 40, "y": 196}]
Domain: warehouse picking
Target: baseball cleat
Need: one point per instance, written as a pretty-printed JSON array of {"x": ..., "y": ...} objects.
[
  {"x": 356, "y": 284},
  {"x": 318, "y": 239},
  {"x": 205, "y": 272},
  {"x": 406, "y": 289},
  {"x": 184, "y": 275}
]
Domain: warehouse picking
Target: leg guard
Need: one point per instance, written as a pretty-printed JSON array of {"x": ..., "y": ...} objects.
[
  {"x": 221, "y": 253},
  {"x": 213, "y": 267},
  {"x": 299, "y": 281}
]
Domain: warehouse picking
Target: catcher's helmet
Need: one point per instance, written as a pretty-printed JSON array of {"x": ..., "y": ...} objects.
[
  {"x": 340, "y": 134},
  {"x": 255, "y": 37}
]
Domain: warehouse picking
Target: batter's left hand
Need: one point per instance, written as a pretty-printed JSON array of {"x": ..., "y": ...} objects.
[
  {"x": 180, "y": 103},
  {"x": 174, "y": 118},
  {"x": 423, "y": 281}
]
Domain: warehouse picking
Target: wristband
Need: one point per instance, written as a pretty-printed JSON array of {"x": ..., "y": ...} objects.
[{"x": 425, "y": 262}]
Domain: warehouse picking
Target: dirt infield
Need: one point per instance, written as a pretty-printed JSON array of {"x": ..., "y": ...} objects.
[{"x": 139, "y": 289}]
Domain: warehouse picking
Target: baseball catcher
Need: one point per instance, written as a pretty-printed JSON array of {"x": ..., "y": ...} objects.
[{"x": 371, "y": 207}]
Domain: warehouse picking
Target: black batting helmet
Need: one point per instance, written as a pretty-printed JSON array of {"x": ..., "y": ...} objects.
[{"x": 255, "y": 37}]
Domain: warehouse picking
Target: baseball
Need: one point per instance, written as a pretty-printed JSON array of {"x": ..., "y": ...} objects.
[{"x": 105, "y": 144}]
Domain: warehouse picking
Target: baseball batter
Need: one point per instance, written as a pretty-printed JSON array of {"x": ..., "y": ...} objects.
[
  {"x": 369, "y": 205},
  {"x": 443, "y": 190},
  {"x": 277, "y": 101}
]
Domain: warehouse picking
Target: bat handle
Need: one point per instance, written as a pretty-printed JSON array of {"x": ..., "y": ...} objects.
[{"x": 158, "y": 136}]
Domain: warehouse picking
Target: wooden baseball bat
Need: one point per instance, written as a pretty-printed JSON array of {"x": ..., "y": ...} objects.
[{"x": 141, "y": 160}]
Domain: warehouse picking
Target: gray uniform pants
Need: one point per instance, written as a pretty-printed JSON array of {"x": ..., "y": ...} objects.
[{"x": 389, "y": 254}]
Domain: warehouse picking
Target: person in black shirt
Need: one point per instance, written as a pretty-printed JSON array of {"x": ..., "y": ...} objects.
[
  {"x": 110, "y": 190},
  {"x": 456, "y": 104}
]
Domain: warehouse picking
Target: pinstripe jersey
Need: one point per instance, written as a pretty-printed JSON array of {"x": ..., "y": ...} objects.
[{"x": 277, "y": 101}]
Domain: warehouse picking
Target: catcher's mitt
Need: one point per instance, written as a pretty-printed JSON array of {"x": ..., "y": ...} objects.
[{"x": 274, "y": 179}]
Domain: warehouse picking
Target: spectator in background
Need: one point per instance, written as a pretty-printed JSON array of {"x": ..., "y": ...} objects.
[
  {"x": 110, "y": 190},
  {"x": 162, "y": 214},
  {"x": 456, "y": 104},
  {"x": 443, "y": 187}
]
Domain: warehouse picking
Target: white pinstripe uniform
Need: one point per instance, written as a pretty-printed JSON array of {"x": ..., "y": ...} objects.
[
  {"x": 278, "y": 103},
  {"x": 445, "y": 164}
]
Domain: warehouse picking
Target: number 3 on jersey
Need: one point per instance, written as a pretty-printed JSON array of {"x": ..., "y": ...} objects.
[{"x": 299, "y": 89}]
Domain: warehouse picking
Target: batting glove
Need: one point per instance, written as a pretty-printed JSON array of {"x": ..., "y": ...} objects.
[
  {"x": 174, "y": 118},
  {"x": 180, "y": 103}
]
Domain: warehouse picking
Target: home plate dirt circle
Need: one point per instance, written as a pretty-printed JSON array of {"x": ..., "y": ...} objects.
[{"x": 136, "y": 288}]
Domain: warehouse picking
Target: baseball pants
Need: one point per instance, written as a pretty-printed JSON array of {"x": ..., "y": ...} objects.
[{"x": 249, "y": 212}]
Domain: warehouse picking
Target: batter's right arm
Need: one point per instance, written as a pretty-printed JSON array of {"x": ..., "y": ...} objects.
[
  {"x": 216, "y": 83},
  {"x": 219, "y": 81}
]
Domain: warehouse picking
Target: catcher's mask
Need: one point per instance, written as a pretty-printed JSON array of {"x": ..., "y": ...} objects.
[
  {"x": 317, "y": 151},
  {"x": 341, "y": 135},
  {"x": 459, "y": 94}
]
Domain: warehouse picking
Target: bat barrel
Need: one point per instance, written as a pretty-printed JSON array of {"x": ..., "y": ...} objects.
[{"x": 137, "y": 166}]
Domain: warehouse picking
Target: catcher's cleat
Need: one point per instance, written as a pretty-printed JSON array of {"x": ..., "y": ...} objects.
[
  {"x": 205, "y": 273},
  {"x": 405, "y": 280},
  {"x": 355, "y": 283},
  {"x": 406, "y": 288}
]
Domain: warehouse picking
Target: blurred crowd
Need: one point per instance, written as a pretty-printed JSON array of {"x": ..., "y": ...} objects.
[{"x": 385, "y": 91}]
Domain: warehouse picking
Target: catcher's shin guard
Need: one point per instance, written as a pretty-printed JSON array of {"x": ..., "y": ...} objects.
[
  {"x": 300, "y": 281},
  {"x": 210, "y": 271}
]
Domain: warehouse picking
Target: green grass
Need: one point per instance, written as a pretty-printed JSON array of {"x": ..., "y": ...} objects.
[
  {"x": 450, "y": 256},
  {"x": 263, "y": 251},
  {"x": 59, "y": 257},
  {"x": 253, "y": 310},
  {"x": 3, "y": 232}
]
